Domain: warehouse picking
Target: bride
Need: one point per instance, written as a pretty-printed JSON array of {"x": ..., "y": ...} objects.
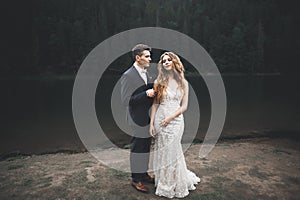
[{"x": 172, "y": 178}]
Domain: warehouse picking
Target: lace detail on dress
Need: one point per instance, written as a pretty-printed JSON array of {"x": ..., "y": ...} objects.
[{"x": 172, "y": 178}]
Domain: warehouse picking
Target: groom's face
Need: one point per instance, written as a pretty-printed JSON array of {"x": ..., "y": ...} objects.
[{"x": 145, "y": 59}]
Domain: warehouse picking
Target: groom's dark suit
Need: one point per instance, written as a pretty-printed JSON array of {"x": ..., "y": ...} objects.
[{"x": 134, "y": 97}]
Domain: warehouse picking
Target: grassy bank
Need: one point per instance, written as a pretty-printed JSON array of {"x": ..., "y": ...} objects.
[{"x": 261, "y": 168}]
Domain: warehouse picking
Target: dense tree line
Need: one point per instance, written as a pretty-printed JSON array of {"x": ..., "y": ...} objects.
[{"x": 241, "y": 35}]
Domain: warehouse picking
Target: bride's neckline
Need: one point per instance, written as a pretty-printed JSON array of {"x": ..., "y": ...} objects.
[{"x": 173, "y": 85}]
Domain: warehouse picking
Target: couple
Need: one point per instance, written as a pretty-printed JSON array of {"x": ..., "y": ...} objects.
[{"x": 168, "y": 98}]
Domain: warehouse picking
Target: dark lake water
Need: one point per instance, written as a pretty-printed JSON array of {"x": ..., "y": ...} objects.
[{"x": 36, "y": 114}]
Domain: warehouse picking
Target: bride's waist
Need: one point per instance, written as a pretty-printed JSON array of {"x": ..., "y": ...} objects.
[
  {"x": 169, "y": 105},
  {"x": 165, "y": 111}
]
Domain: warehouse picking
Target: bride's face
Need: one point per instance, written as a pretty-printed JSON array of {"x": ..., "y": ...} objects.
[{"x": 167, "y": 63}]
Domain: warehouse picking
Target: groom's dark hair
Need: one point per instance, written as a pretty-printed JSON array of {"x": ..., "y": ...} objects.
[{"x": 138, "y": 49}]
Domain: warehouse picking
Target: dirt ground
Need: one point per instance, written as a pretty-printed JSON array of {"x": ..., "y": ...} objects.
[{"x": 261, "y": 168}]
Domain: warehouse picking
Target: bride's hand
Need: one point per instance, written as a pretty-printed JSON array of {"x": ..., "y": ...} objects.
[
  {"x": 166, "y": 121},
  {"x": 151, "y": 131}
]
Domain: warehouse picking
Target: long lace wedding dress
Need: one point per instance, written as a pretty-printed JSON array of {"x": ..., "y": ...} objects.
[{"x": 172, "y": 178}]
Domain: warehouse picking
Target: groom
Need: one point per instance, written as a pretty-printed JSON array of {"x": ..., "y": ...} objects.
[{"x": 137, "y": 95}]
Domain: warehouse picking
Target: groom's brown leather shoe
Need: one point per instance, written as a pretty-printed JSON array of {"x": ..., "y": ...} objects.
[{"x": 139, "y": 187}]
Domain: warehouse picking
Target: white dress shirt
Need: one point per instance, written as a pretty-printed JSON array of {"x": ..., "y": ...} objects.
[{"x": 142, "y": 73}]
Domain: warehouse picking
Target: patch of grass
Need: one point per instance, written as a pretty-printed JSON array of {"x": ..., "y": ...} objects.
[
  {"x": 87, "y": 163},
  {"x": 118, "y": 174},
  {"x": 293, "y": 180},
  {"x": 256, "y": 157},
  {"x": 240, "y": 184},
  {"x": 44, "y": 182},
  {"x": 96, "y": 196},
  {"x": 16, "y": 157},
  {"x": 229, "y": 164},
  {"x": 211, "y": 196},
  {"x": 217, "y": 183},
  {"x": 39, "y": 183},
  {"x": 112, "y": 194},
  {"x": 226, "y": 188},
  {"x": 2, "y": 178},
  {"x": 220, "y": 179},
  {"x": 221, "y": 187},
  {"x": 218, "y": 167},
  {"x": 223, "y": 145},
  {"x": 27, "y": 182},
  {"x": 76, "y": 179},
  {"x": 280, "y": 151},
  {"x": 238, "y": 195},
  {"x": 256, "y": 173},
  {"x": 60, "y": 192},
  {"x": 61, "y": 168},
  {"x": 99, "y": 175},
  {"x": 207, "y": 196},
  {"x": 14, "y": 166},
  {"x": 94, "y": 186},
  {"x": 208, "y": 170}
]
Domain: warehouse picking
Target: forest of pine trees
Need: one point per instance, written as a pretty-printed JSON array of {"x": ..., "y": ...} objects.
[{"x": 248, "y": 36}]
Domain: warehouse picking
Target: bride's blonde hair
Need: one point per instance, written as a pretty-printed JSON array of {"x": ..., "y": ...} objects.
[{"x": 163, "y": 78}]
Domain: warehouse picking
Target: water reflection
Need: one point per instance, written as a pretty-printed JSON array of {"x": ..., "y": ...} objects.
[{"x": 36, "y": 114}]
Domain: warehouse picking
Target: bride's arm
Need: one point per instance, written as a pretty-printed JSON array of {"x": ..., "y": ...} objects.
[
  {"x": 182, "y": 108},
  {"x": 153, "y": 111}
]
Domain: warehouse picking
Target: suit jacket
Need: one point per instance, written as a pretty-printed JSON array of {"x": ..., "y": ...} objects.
[{"x": 134, "y": 97}]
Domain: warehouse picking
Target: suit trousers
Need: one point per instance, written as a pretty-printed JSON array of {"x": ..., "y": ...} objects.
[{"x": 139, "y": 157}]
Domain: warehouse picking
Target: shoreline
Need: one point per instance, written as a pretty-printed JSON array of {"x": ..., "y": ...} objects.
[{"x": 289, "y": 135}]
